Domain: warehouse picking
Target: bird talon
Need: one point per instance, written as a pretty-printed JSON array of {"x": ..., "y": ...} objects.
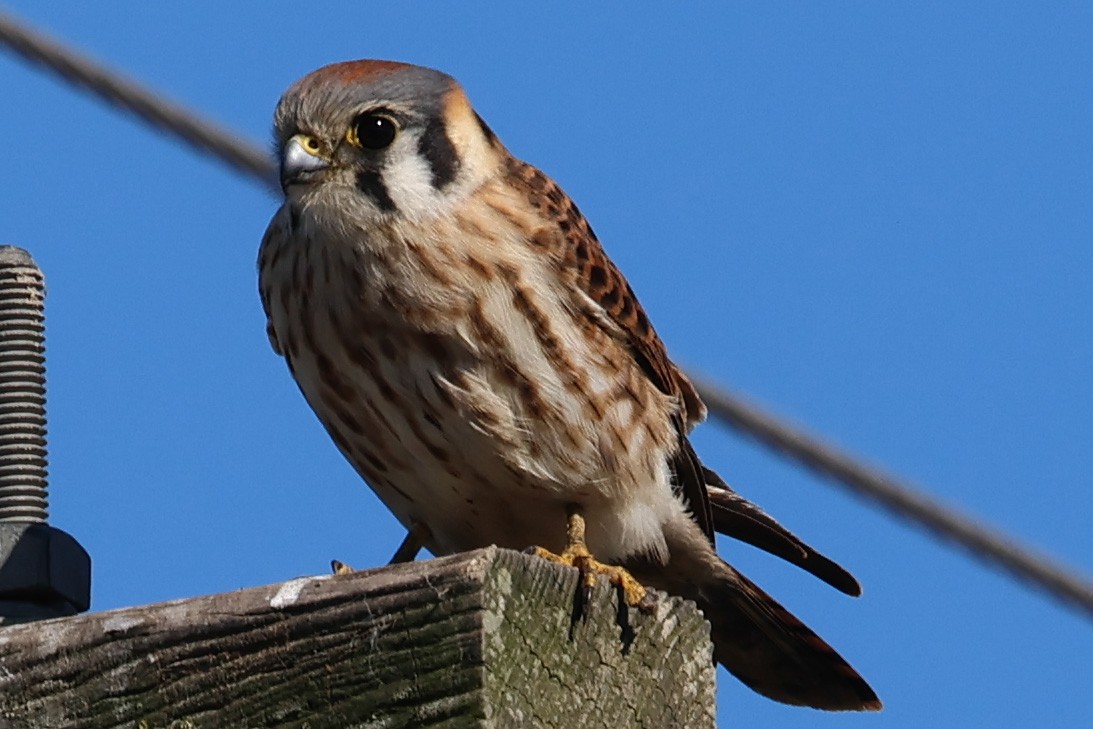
[
  {"x": 648, "y": 603},
  {"x": 633, "y": 591},
  {"x": 585, "y": 600},
  {"x": 576, "y": 554}
]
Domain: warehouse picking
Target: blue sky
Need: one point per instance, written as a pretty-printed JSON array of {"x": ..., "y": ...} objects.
[{"x": 875, "y": 219}]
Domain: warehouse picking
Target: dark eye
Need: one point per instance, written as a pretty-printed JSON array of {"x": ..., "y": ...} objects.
[{"x": 372, "y": 131}]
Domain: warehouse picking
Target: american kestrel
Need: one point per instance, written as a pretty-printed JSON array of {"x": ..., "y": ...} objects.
[{"x": 455, "y": 324}]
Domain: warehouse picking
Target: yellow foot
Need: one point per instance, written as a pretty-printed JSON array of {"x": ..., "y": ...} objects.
[
  {"x": 576, "y": 554},
  {"x": 341, "y": 568}
]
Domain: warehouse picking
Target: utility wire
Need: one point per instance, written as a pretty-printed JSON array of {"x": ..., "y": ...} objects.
[
  {"x": 115, "y": 89},
  {"x": 892, "y": 494},
  {"x": 895, "y": 496}
]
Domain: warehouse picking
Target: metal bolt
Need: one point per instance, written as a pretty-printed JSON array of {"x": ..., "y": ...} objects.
[
  {"x": 44, "y": 572},
  {"x": 23, "y": 462}
]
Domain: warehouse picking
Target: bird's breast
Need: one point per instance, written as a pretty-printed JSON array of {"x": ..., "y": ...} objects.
[{"x": 471, "y": 391}]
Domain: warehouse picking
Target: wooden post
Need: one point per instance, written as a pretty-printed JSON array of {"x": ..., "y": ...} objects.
[{"x": 480, "y": 639}]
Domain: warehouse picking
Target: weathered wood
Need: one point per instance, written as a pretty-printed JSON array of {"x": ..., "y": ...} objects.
[{"x": 481, "y": 639}]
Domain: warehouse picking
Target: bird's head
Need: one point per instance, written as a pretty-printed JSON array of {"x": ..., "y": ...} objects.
[{"x": 400, "y": 140}]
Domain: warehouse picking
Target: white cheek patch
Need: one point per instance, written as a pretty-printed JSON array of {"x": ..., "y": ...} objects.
[{"x": 409, "y": 181}]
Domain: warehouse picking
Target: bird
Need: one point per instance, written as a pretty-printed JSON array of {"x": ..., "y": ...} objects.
[{"x": 462, "y": 335}]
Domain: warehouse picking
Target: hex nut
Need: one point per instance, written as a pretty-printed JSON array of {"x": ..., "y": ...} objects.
[{"x": 41, "y": 563}]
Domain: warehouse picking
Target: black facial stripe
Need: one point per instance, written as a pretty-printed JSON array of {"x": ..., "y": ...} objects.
[
  {"x": 371, "y": 184},
  {"x": 438, "y": 151}
]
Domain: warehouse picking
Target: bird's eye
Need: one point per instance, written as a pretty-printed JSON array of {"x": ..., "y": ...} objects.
[{"x": 372, "y": 131}]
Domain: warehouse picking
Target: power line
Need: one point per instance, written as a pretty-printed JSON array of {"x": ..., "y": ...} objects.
[
  {"x": 895, "y": 496},
  {"x": 892, "y": 494},
  {"x": 115, "y": 89}
]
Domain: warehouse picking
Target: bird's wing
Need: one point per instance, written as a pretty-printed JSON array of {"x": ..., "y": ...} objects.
[
  {"x": 714, "y": 506},
  {"x": 589, "y": 268}
]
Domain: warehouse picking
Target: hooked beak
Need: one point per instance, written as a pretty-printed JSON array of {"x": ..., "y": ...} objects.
[{"x": 302, "y": 159}]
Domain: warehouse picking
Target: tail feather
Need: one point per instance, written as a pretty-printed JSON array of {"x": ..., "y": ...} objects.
[
  {"x": 755, "y": 638},
  {"x": 774, "y": 653}
]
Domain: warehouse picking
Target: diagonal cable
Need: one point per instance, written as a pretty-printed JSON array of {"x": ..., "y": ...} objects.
[
  {"x": 896, "y": 496},
  {"x": 115, "y": 89},
  {"x": 890, "y": 493}
]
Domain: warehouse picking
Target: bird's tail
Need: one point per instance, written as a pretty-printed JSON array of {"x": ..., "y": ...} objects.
[
  {"x": 770, "y": 650},
  {"x": 755, "y": 638}
]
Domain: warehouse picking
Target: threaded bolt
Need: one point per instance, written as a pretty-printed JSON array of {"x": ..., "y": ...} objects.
[{"x": 23, "y": 461}]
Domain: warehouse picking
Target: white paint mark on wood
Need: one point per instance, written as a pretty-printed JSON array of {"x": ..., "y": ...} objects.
[
  {"x": 120, "y": 623},
  {"x": 288, "y": 593}
]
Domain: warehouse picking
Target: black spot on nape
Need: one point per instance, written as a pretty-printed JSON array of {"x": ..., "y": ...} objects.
[
  {"x": 438, "y": 151},
  {"x": 371, "y": 184}
]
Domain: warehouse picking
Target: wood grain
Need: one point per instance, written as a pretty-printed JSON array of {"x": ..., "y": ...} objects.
[{"x": 479, "y": 639}]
